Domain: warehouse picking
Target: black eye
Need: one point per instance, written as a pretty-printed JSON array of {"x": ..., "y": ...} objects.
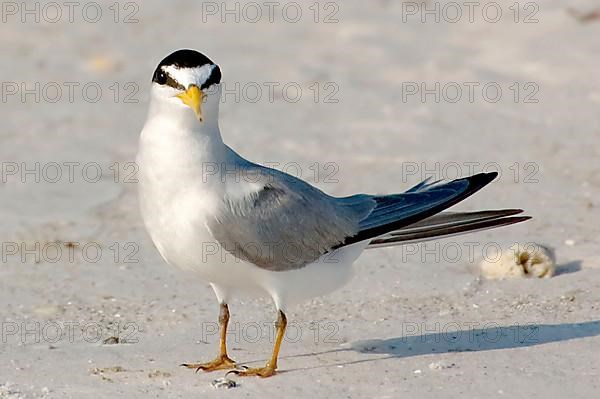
[{"x": 160, "y": 76}]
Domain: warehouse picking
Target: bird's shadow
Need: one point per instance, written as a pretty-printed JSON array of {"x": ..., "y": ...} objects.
[{"x": 490, "y": 337}]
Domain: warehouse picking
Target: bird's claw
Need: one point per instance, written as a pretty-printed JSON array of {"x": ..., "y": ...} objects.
[
  {"x": 262, "y": 372},
  {"x": 220, "y": 363}
]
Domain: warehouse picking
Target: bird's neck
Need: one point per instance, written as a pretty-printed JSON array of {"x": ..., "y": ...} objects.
[
  {"x": 175, "y": 136},
  {"x": 181, "y": 122}
]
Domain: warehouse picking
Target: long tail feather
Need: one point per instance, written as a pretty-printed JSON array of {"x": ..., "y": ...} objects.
[{"x": 448, "y": 224}]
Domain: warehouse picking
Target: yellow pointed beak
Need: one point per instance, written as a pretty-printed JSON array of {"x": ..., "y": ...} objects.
[{"x": 193, "y": 97}]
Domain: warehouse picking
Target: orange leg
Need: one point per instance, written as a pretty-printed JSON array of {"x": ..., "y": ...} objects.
[
  {"x": 271, "y": 366},
  {"x": 222, "y": 361}
]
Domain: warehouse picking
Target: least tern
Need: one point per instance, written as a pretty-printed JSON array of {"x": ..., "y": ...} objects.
[{"x": 244, "y": 228}]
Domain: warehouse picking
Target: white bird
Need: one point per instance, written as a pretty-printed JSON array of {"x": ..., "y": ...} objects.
[{"x": 247, "y": 228}]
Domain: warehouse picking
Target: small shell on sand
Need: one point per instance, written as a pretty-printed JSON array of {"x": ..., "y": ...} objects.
[
  {"x": 223, "y": 383},
  {"x": 520, "y": 261}
]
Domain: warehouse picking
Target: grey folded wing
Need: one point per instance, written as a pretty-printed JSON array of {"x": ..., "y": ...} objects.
[{"x": 287, "y": 224}]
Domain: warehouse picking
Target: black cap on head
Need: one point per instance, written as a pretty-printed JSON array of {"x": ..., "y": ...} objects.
[{"x": 185, "y": 58}]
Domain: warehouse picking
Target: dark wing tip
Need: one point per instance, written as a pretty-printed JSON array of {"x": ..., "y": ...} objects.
[
  {"x": 515, "y": 211},
  {"x": 498, "y": 213},
  {"x": 520, "y": 219},
  {"x": 477, "y": 182},
  {"x": 482, "y": 179},
  {"x": 508, "y": 221},
  {"x": 494, "y": 213}
]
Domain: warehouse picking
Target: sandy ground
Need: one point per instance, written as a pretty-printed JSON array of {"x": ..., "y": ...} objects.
[{"x": 415, "y": 320}]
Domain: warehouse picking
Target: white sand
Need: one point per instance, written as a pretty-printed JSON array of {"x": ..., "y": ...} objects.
[{"x": 380, "y": 334}]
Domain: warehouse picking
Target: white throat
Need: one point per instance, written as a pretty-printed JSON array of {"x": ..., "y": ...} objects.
[{"x": 173, "y": 134}]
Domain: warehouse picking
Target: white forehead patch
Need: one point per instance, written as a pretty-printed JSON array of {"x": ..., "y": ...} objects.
[{"x": 188, "y": 76}]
